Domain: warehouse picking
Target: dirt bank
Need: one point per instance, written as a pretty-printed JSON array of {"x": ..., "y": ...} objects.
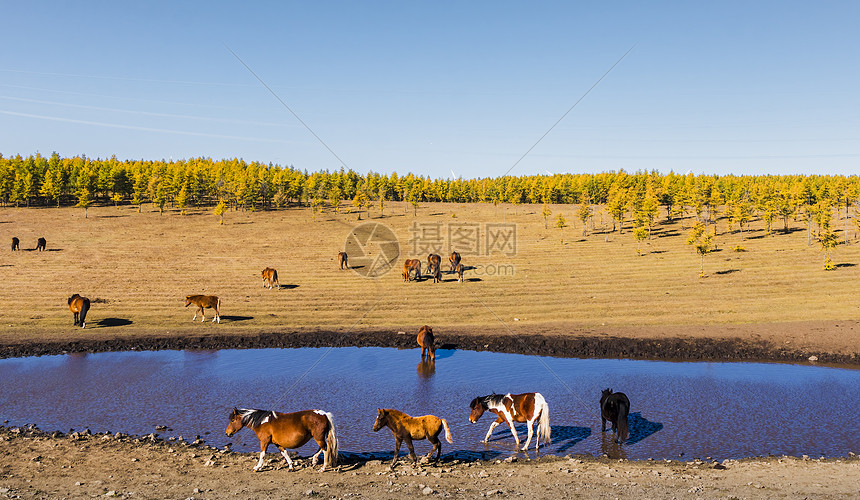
[
  {"x": 34, "y": 464},
  {"x": 829, "y": 343}
]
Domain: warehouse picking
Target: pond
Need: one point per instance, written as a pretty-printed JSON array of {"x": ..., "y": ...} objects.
[{"x": 678, "y": 410}]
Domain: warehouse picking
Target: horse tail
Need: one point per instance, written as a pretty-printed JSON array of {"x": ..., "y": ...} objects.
[
  {"x": 85, "y": 306},
  {"x": 330, "y": 442},
  {"x": 623, "y": 432},
  {"x": 447, "y": 431},
  {"x": 544, "y": 429}
]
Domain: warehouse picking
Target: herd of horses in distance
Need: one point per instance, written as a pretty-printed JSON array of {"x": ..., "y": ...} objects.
[{"x": 293, "y": 430}]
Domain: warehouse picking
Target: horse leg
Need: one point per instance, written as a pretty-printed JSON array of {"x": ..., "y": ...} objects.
[
  {"x": 408, "y": 440},
  {"x": 264, "y": 443},
  {"x": 514, "y": 432},
  {"x": 397, "y": 442},
  {"x": 287, "y": 456},
  {"x": 490, "y": 432},
  {"x": 437, "y": 446},
  {"x": 76, "y": 319},
  {"x": 529, "y": 437},
  {"x": 603, "y": 427}
]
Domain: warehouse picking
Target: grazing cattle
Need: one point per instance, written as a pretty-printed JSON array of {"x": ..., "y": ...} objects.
[
  {"x": 288, "y": 431},
  {"x": 204, "y": 302},
  {"x": 406, "y": 428},
  {"x": 79, "y": 307},
  {"x": 426, "y": 341},
  {"x": 343, "y": 260},
  {"x": 455, "y": 261},
  {"x": 459, "y": 270},
  {"x": 411, "y": 265},
  {"x": 510, "y": 408},
  {"x": 41, "y": 244},
  {"x": 15, "y": 244},
  {"x": 270, "y": 278},
  {"x": 434, "y": 267},
  {"x": 614, "y": 407}
]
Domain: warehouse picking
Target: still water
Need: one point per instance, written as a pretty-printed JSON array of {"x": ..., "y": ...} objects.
[{"x": 678, "y": 410}]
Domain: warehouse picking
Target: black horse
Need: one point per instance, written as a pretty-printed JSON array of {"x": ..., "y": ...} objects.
[{"x": 615, "y": 407}]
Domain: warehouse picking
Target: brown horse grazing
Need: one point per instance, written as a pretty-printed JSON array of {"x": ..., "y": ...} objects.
[
  {"x": 425, "y": 340},
  {"x": 288, "y": 431},
  {"x": 270, "y": 278},
  {"x": 203, "y": 302},
  {"x": 343, "y": 260},
  {"x": 614, "y": 407},
  {"x": 411, "y": 265},
  {"x": 79, "y": 307},
  {"x": 41, "y": 244},
  {"x": 459, "y": 270},
  {"x": 406, "y": 428},
  {"x": 15, "y": 244},
  {"x": 434, "y": 267},
  {"x": 511, "y": 408},
  {"x": 455, "y": 261}
]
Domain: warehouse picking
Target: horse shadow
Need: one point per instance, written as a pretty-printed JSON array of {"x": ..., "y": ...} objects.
[
  {"x": 236, "y": 318},
  {"x": 287, "y": 287},
  {"x": 472, "y": 280},
  {"x": 728, "y": 271},
  {"x": 640, "y": 428},
  {"x": 846, "y": 264},
  {"x": 109, "y": 322},
  {"x": 568, "y": 436}
]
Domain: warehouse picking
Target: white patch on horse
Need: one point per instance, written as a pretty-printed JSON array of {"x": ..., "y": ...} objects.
[
  {"x": 264, "y": 421},
  {"x": 319, "y": 412}
]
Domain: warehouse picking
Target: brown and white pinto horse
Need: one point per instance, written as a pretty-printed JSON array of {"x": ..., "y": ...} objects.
[
  {"x": 406, "y": 428},
  {"x": 427, "y": 343},
  {"x": 270, "y": 278},
  {"x": 434, "y": 267},
  {"x": 288, "y": 431},
  {"x": 343, "y": 260},
  {"x": 454, "y": 259},
  {"x": 411, "y": 265},
  {"x": 202, "y": 302},
  {"x": 79, "y": 307},
  {"x": 510, "y": 408}
]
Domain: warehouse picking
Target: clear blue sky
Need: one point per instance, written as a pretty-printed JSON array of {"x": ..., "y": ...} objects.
[{"x": 429, "y": 87}]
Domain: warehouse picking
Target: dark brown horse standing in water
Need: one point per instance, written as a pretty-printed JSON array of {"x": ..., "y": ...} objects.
[
  {"x": 343, "y": 260},
  {"x": 288, "y": 431},
  {"x": 614, "y": 407},
  {"x": 406, "y": 428},
  {"x": 270, "y": 278},
  {"x": 454, "y": 259},
  {"x": 41, "y": 244},
  {"x": 434, "y": 267},
  {"x": 411, "y": 265},
  {"x": 15, "y": 244},
  {"x": 510, "y": 408},
  {"x": 79, "y": 307},
  {"x": 427, "y": 343},
  {"x": 204, "y": 302}
]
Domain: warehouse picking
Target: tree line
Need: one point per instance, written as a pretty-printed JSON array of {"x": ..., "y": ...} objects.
[{"x": 634, "y": 198}]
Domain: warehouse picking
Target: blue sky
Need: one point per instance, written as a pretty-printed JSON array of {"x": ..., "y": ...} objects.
[{"x": 435, "y": 87}]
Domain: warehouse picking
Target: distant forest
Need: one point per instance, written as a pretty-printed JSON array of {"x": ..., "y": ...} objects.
[{"x": 635, "y": 197}]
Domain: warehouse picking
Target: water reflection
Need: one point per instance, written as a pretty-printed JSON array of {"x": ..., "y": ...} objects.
[{"x": 698, "y": 409}]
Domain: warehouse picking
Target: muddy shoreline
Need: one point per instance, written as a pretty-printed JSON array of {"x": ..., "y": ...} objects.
[{"x": 582, "y": 346}]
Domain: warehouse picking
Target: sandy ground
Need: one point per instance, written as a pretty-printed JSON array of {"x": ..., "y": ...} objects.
[{"x": 36, "y": 465}]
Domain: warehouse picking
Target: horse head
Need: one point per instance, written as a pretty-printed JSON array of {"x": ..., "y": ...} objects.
[
  {"x": 381, "y": 419},
  {"x": 73, "y": 297},
  {"x": 605, "y": 394},
  {"x": 235, "y": 424},
  {"x": 478, "y": 406}
]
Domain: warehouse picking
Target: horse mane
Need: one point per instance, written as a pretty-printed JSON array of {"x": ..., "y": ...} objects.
[
  {"x": 254, "y": 418},
  {"x": 73, "y": 297},
  {"x": 494, "y": 399}
]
